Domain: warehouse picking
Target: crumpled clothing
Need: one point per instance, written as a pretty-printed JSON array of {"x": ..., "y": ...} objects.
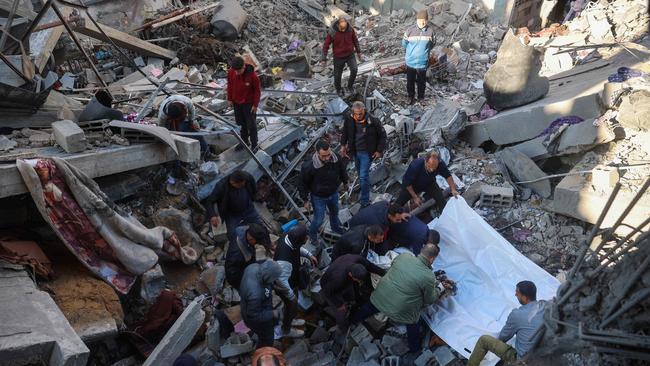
[
  {"x": 26, "y": 253},
  {"x": 555, "y": 125},
  {"x": 623, "y": 74},
  {"x": 160, "y": 317}
]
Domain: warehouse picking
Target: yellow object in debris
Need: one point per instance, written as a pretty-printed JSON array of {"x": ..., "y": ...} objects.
[{"x": 276, "y": 70}]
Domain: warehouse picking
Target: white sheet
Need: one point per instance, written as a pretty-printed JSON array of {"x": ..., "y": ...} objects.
[{"x": 486, "y": 268}]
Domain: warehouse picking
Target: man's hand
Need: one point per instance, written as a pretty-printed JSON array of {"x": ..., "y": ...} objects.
[
  {"x": 417, "y": 201},
  {"x": 314, "y": 260},
  {"x": 455, "y": 193},
  {"x": 376, "y": 155},
  {"x": 254, "y": 109},
  {"x": 307, "y": 205},
  {"x": 215, "y": 221},
  {"x": 344, "y": 151}
]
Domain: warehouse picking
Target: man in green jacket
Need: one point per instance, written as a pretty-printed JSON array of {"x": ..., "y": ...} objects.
[{"x": 408, "y": 286}]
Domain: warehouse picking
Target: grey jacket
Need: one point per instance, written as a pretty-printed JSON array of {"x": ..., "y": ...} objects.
[
  {"x": 524, "y": 322},
  {"x": 256, "y": 292},
  {"x": 282, "y": 283}
]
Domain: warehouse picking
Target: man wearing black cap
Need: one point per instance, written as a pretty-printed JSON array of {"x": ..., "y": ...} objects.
[
  {"x": 241, "y": 251},
  {"x": 244, "y": 93},
  {"x": 522, "y": 322},
  {"x": 418, "y": 42}
]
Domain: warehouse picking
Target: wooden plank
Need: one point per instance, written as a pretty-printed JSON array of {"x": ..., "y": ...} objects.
[
  {"x": 184, "y": 15},
  {"x": 24, "y": 9},
  {"x": 95, "y": 164},
  {"x": 125, "y": 40}
]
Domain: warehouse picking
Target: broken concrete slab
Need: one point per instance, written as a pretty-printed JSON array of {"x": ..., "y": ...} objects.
[
  {"x": 254, "y": 169},
  {"x": 69, "y": 136},
  {"x": 524, "y": 169},
  {"x": 441, "y": 123},
  {"x": 179, "y": 336},
  {"x": 634, "y": 110},
  {"x": 237, "y": 344}
]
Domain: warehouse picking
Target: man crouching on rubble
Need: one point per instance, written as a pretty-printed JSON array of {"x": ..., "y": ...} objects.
[
  {"x": 364, "y": 138},
  {"x": 241, "y": 251},
  {"x": 177, "y": 114},
  {"x": 522, "y": 322},
  {"x": 344, "y": 43},
  {"x": 256, "y": 293},
  {"x": 408, "y": 286}
]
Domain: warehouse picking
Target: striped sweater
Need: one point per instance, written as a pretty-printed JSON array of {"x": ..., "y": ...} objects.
[{"x": 418, "y": 43}]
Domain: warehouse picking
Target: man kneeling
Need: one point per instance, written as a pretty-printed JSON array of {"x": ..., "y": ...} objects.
[{"x": 522, "y": 322}]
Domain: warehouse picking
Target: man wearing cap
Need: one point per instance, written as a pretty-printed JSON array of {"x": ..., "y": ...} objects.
[
  {"x": 344, "y": 43},
  {"x": 244, "y": 93},
  {"x": 364, "y": 139},
  {"x": 241, "y": 251},
  {"x": 177, "y": 113},
  {"x": 418, "y": 41},
  {"x": 522, "y": 322}
]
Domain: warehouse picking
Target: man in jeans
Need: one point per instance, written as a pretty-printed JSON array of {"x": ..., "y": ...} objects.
[
  {"x": 321, "y": 177},
  {"x": 418, "y": 42},
  {"x": 364, "y": 138},
  {"x": 344, "y": 43},
  {"x": 244, "y": 93},
  {"x": 522, "y": 322}
]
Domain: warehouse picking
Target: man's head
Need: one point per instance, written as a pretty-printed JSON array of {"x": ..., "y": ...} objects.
[
  {"x": 237, "y": 63},
  {"x": 396, "y": 213},
  {"x": 298, "y": 235},
  {"x": 323, "y": 151},
  {"x": 257, "y": 234},
  {"x": 358, "y": 273},
  {"x": 526, "y": 292},
  {"x": 422, "y": 18},
  {"x": 358, "y": 111},
  {"x": 343, "y": 24},
  {"x": 375, "y": 234},
  {"x": 430, "y": 252},
  {"x": 176, "y": 111},
  {"x": 268, "y": 360},
  {"x": 431, "y": 161},
  {"x": 237, "y": 179}
]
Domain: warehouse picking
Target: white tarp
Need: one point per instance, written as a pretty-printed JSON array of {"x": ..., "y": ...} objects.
[{"x": 486, "y": 268}]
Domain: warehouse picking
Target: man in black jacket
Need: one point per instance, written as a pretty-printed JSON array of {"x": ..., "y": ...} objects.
[
  {"x": 320, "y": 178},
  {"x": 346, "y": 285},
  {"x": 363, "y": 138},
  {"x": 380, "y": 213},
  {"x": 358, "y": 240},
  {"x": 256, "y": 293},
  {"x": 241, "y": 251},
  {"x": 232, "y": 201}
]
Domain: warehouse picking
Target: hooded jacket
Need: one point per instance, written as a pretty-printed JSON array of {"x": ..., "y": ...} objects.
[
  {"x": 418, "y": 43},
  {"x": 244, "y": 88},
  {"x": 256, "y": 292},
  {"x": 408, "y": 286},
  {"x": 322, "y": 181},
  {"x": 376, "y": 135},
  {"x": 337, "y": 287},
  {"x": 236, "y": 259},
  {"x": 220, "y": 195},
  {"x": 344, "y": 44}
]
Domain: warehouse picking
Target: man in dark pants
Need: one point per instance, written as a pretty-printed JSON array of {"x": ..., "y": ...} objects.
[
  {"x": 256, "y": 293},
  {"x": 320, "y": 177},
  {"x": 241, "y": 251},
  {"x": 344, "y": 43},
  {"x": 418, "y": 41},
  {"x": 244, "y": 93},
  {"x": 364, "y": 138},
  {"x": 420, "y": 177}
]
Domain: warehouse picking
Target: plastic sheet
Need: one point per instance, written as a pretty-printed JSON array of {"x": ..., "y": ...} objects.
[{"x": 486, "y": 268}]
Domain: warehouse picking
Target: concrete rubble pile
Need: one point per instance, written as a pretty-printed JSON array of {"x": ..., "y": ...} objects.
[{"x": 539, "y": 181}]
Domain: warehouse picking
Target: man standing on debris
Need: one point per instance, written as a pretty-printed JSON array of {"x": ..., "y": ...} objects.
[
  {"x": 241, "y": 251},
  {"x": 420, "y": 177},
  {"x": 232, "y": 201},
  {"x": 244, "y": 93},
  {"x": 343, "y": 39},
  {"x": 364, "y": 138},
  {"x": 287, "y": 255},
  {"x": 256, "y": 293},
  {"x": 411, "y": 233},
  {"x": 358, "y": 240},
  {"x": 321, "y": 178},
  {"x": 177, "y": 113},
  {"x": 418, "y": 41},
  {"x": 380, "y": 213},
  {"x": 346, "y": 285},
  {"x": 408, "y": 286},
  {"x": 522, "y": 322}
]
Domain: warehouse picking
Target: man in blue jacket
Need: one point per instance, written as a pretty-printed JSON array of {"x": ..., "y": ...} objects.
[{"x": 418, "y": 42}]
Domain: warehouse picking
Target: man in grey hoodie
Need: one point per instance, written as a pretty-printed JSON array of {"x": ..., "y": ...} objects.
[{"x": 256, "y": 293}]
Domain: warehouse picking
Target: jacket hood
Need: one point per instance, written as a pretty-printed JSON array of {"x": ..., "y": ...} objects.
[
  {"x": 248, "y": 69},
  {"x": 335, "y": 26},
  {"x": 269, "y": 272}
]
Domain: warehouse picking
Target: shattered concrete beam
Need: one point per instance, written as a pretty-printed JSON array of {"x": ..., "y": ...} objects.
[{"x": 327, "y": 15}]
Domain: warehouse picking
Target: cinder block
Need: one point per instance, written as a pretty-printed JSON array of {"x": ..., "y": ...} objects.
[
  {"x": 236, "y": 344},
  {"x": 604, "y": 177},
  {"x": 391, "y": 361},
  {"x": 497, "y": 196},
  {"x": 69, "y": 136},
  {"x": 369, "y": 350},
  {"x": 360, "y": 333},
  {"x": 424, "y": 358}
]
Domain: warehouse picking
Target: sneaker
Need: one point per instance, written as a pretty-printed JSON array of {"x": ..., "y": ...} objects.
[
  {"x": 278, "y": 333},
  {"x": 298, "y": 322}
]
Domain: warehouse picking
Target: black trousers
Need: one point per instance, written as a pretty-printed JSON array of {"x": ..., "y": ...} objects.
[
  {"x": 246, "y": 119},
  {"x": 413, "y": 75},
  {"x": 339, "y": 64},
  {"x": 433, "y": 191},
  {"x": 265, "y": 333}
]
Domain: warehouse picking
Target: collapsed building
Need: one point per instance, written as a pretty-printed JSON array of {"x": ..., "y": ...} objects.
[{"x": 538, "y": 108}]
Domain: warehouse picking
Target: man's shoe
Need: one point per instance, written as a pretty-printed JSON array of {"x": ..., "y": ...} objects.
[
  {"x": 298, "y": 322},
  {"x": 293, "y": 333},
  {"x": 340, "y": 93},
  {"x": 411, "y": 101}
]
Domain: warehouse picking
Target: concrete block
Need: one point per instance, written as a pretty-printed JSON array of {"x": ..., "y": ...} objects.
[
  {"x": 604, "y": 177},
  {"x": 496, "y": 196},
  {"x": 360, "y": 333},
  {"x": 524, "y": 169},
  {"x": 254, "y": 169},
  {"x": 424, "y": 358},
  {"x": 319, "y": 335},
  {"x": 369, "y": 350},
  {"x": 391, "y": 361},
  {"x": 329, "y": 359},
  {"x": 356, "y": 357},
  {"x": 303, "y": 359},
  {"x": 179, "y": 336},
  {"x": 189, "y": 150},
  {"x": 69, "y": 136},
  {"x": 443, "y": 355},
  {"x": 237, "y": 344},
  {"x": 394, "y": 346}
]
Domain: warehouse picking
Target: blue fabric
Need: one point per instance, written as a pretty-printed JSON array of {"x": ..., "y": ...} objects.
[
  {"x": 411, "y": 234},
  {"x": 320, "y": 203},
  {"x": 362, "y": 161},
  {"x": 417, "y": 176},
  {"x": 186, "y": 126},
  {"x": 247, "y": 217},
  {"x": 418, "y": 43}
]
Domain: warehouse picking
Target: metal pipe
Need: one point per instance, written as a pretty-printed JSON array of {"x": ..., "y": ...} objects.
[
  {"x": 631, "y": 282},
  {"x": 302, "y": 154}
]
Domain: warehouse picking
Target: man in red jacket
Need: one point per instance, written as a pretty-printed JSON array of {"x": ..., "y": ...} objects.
[
  {"x": 244, "y": 95},
  {"x": 344, "y": 43}
]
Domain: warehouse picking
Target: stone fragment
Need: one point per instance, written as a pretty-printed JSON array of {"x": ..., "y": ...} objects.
[
  {"x": 213, "y": 279},
  {"x": 69, "y": 136},
  {"x": 391, "y": 361},
  {"x": 458, "y": 8},
  {"x": 236, "y": 344},
  {"x": 424, "y": 358},
  {"x": 587, "y": 303},
  {"x": 319, "y": 335},
  {"x": 152, "y": 284},
  {"x": 303, "y": 359},
  {"x": 604, "y": 177},
  {"x": 369, "y": 349},
  {"x": 296, "y": 349},
  {"x": 6, "y": 143},
  {"x": 524, "y": 169},
  {"x": 443, "y": 355},
  {"x": 395, "y": 346},
  {"x": 634, "y": 110},
  {"x": 356, "y": 357},
  {"x": 360, "y": 333}
]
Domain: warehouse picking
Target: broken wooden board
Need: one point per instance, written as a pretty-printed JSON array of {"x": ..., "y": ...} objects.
[{"x": 122, "y": 39}]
